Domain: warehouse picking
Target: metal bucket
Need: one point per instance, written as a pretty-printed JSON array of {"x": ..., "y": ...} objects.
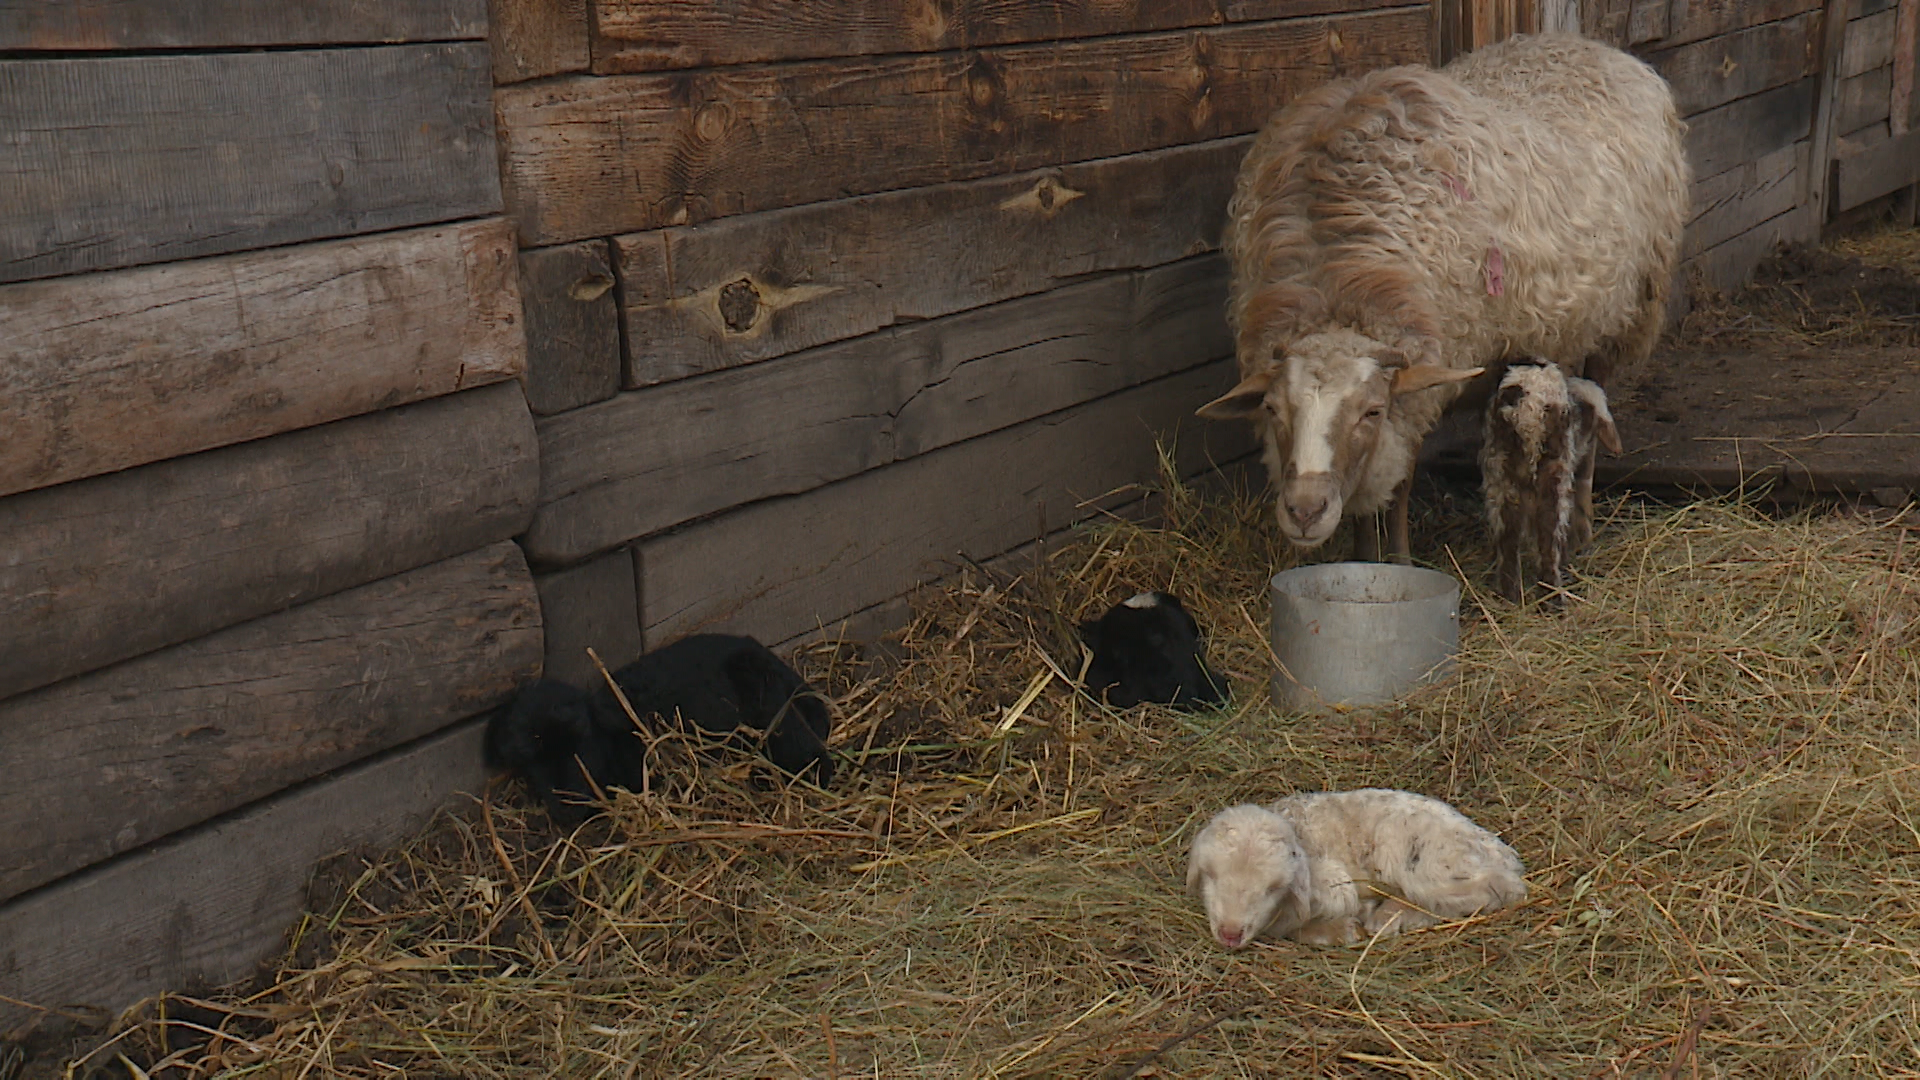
[{"x": 1361, "y": 633}]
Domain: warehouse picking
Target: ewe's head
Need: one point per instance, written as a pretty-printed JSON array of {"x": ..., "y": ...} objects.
[
  {"x": 1248, "y": 868},
  {"x": 1322, "y": 409}
]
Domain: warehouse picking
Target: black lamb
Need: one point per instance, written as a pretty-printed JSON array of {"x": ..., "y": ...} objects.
[{"x": 1149, "y": 649}]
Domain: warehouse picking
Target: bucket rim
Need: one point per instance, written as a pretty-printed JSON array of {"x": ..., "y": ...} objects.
[{"x": 1422, "y": 584}]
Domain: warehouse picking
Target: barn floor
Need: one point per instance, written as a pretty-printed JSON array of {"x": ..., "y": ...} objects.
[
  {"x": 1708, "y": 764},
  {"x": 1805, "y": 384}
]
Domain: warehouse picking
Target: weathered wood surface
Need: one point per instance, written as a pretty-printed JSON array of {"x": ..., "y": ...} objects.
[
  {"x": 206, "y": 907},
  {"x": 1886, "y": 167},
  {"x": 654, "y": 458},
  {"x": 107, "y": 371},
  {"x": 647, "y": 35},
  {"x": 535, "y": 38},
  {"x": 1732, "y": 202},
  {"x": 109, "y": 761},
  {"x": 1730, "y": 263},
  {"x": 591, "y": 156},
  {"x": 86, "y": 25},
  {"x": 573, "y": 326},
  {"x": 124, "y": 160},
  {"x": 593, "y": 605},
  {"x": 1864, "y": 99},
  {"x": 740, "y": 289},
  {"x": 1845, "y": 423},
  {"x": 1694, "y": 20},
  {"x": 786, "y": 566},
  {"x": 1904, "y": 104},
  {"x": 1750, "y": 128},
  {"x": 101, "y": 570},
  {"x": 1868, "y": 45},
  {"x": 1710, "y": 73},
  {"x": 1824, "y": 133}
]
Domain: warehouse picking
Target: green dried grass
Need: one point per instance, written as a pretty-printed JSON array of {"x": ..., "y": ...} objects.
[{"x": 1707, "y": 763}]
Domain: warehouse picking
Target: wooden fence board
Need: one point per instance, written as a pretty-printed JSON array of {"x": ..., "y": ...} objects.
[
  {"x": 84, "y": 25},
  {"x": 125, "y": 160},
  {"x": 101, "y": 570},
  {"x": 573, "y": 326},
  {"x": 204, "y": 908},
  {"x": 741, "y": 289},
  {"x": 1726, "y": 205},
  {"x": 1864, "y": 99},
  {"x": 591, "y": 156},
  {"x": 535, "y": 38},
  {"x": 107, "y": 371},
  {"x": 112, "y": 760},
  {"x": 595, "y": 604},
  {"x": 783, "y": 567},
  {"x": 647, "y": 35},
  {"x": 1730, "y": 263},
  {"x": 1711, "y": 73},
  {"x": 1886, "y": 167},
  {"x": 1695, "y": 20},
  {"x": 1904, "y": 104},
  {"x": 658, "y": 457},
  {"x": 1750, "y": 128},
  {"x": 1868, "y": 44}
]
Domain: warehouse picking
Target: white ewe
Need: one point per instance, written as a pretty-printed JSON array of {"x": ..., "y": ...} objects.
[{"x": 1329, "y": 868}]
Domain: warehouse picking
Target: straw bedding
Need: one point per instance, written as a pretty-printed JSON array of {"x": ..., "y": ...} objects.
[{"x": 1708, "y": 765}]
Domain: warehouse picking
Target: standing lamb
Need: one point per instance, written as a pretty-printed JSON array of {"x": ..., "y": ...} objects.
[
  {"x": 1392, "y": 234},
  {"x": 1332, "y": 867},
  {"x": 1543, "y": 432}
]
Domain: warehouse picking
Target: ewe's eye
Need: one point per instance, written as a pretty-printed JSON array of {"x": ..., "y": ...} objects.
[{"x": 1374, "y": 413}]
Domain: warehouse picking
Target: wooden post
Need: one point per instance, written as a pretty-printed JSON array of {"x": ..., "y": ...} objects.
[
  {"x": 1820, "y": 177},
  {"x": 1558, "y": 15}
]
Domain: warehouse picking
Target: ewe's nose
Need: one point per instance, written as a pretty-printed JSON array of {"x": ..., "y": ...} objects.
[{"x": 1307, "y": 510}]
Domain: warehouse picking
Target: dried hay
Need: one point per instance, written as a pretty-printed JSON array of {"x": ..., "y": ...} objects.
[
  {"x": 1858, "y": 290},
  {"x": 1708, "y": 765}
]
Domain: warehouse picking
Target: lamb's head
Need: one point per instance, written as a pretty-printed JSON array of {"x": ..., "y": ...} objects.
[
  {"x": 1248, "y": 868},
  {"x": 1323, "y": 410}
]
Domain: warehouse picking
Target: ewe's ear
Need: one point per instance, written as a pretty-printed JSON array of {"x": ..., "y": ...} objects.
[
  {"x": 1416, "y": 377},
  {"x": 1240, "y": 402}
]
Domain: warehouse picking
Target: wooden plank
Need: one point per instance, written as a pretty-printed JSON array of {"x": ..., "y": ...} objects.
[
  {"x": 1696, "y": 20},
  {"x": 1739, "y": 199},
  {"x": 107, "y": 371},
  {"x": 591, "y": 156},
  {"x": 101, "y": 570},
  {"x": 595, "y": 604},
  {"x": 1886, "y": 167},
  {"x": 1750, "y": 128},
  {"x": 1648, "y": 21},
  {"x": 573, "y": 326},
  {"x": 655, "y": 458},
  {"x": 647, "y": 35},
  {"x": 1863, "y": 8},
  {"x": 1903, "y": 103},
  {"x": 205, "y": 907},
  {"x": 109, "y": 761},
  {"x": 126, "y": 160},
  {"x": 1868, "y": 44},
  {"x": 1864, "y": 99},
  {"x": 740, "y": 289},
  {"x": 88, "y": 25},
  {"x": 1826, "y": 135},
  {"x": 536, "y": 38},
  {"x": 854, "y": 544},
  {"x": 1731, "y": 262},
  {"x": 1710, "y": 73}
]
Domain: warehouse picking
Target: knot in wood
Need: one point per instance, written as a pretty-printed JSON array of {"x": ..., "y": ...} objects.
[
  {"x": 711, "y": 123},
  {"x": 739, "y": 305}
]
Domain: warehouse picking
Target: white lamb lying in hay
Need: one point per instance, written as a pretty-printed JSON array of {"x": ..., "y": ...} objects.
[{"x": 1329, "y": 868}]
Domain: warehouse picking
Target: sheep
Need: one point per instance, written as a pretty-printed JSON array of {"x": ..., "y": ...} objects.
[
  {"x": 1330, "y": 868},
  {"x": 1148, "y": 648},
  {"x": 1543, "y": 433},
  {"x": 571, "y": 745},
  {"x": 1391, "y": 235}
]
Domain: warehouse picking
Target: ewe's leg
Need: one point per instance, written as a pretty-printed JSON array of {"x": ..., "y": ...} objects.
[
  {"x": 1397, "y": 522},
  {"x": 1366, "y": 538},
  {"x": 1627, "y": 350}
]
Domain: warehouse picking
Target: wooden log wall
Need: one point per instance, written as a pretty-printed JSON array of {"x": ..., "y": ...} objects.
[
  {"x": 823, "y": 297},
  {"x": 265, "y": 455}
]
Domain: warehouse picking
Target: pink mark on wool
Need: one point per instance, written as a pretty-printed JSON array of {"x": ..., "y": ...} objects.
[
  {"x": 1496, "y": 271},
  {"x": 1459, "y": 189}
]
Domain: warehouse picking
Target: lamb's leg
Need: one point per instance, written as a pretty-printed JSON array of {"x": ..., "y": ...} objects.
[
  {"x": 1580, "y": 529},
  {"x": 1506, "y": 527},
  {"x": 1343, "y": 930},
  {"x": 1394, "y": 916}
]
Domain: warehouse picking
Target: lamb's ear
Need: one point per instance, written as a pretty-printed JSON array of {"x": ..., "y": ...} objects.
[
  {"x": 1193, "y": 877},
  {"x": 1240, "y": 402},
  {"x": 1416, "y": 377}
]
